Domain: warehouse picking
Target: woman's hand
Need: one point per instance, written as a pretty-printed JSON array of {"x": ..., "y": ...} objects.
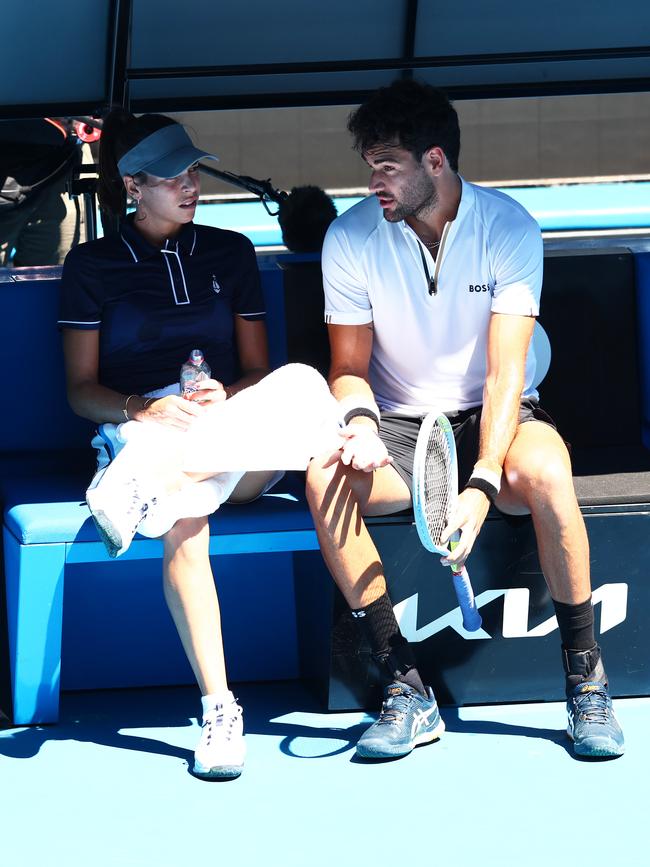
[
  {"x": 179, "y": 412},
  {"x": 172, "y": 411},
  {"x": 211, "y": 391}
]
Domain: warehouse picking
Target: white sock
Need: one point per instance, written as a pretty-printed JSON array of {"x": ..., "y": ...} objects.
[{"x": 216, "y": 699}]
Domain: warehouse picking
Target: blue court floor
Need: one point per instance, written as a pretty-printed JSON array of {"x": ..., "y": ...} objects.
[{"x": 109, "y": 787}]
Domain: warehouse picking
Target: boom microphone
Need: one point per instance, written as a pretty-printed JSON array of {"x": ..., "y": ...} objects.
[
  {"x": 304, "y": 217},
  {"x": 303, "y": 214}
]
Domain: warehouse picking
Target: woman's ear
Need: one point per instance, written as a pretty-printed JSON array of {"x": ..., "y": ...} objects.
[{"x": 132, "y": 189}]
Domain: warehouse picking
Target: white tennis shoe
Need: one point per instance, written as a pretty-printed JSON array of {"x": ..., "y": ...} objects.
[
  {"x": 122, "y": 503},
  {"x": 221, "y": 749},
  {"x": 118, "y": 503}
]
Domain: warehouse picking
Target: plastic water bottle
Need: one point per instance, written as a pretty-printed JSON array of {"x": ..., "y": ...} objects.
[{"x": 193, "y": 372}]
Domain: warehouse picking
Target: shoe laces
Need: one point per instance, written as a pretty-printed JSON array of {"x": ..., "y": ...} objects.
[
  {"x": 394, "y": 708},
  {"x": 138, "y": 505},
  {"x": 592, "y": 703},
  {"x": 220, "y": 723}
]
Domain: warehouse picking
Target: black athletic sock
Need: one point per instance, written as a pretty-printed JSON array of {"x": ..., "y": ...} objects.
[
  {"x": 389, "y": 647},
  {"x": 576, "y": 624}
]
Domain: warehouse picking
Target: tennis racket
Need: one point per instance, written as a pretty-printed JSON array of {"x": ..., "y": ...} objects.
[{"x": 435, "y": 489}]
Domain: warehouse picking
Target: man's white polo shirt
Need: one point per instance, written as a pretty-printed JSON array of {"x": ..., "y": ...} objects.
[{"x": 429, "y": 350}]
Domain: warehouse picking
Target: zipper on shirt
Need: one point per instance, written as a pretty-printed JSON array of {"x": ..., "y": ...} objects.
[{"x": 432, "y": 279}]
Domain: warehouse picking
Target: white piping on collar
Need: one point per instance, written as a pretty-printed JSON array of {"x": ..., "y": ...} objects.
[{"x": 135, "y": 258}]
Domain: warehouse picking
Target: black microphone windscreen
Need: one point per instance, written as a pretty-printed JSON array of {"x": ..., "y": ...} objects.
[{"x": 304, "y": 217}]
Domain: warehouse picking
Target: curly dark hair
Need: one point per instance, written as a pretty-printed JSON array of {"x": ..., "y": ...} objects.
[{"x": 415, "y": 115}]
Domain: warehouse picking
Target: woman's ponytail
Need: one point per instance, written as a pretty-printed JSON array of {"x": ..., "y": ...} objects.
[{"x": 110, "y": 189}]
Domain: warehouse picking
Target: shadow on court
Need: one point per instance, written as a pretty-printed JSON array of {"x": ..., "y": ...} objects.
[
  {"x": 454, "y": 723},
  {"x": 286, "y": 711},
  {"x": 106, "y": 718}
]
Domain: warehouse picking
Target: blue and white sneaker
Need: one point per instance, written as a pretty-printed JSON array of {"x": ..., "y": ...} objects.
[
  {"x": 407, "y": 719},
  {"x": 593, "y": 728}
]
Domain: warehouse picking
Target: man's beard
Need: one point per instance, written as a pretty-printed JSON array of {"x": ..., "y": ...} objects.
[{"x": 417, "y": 201}]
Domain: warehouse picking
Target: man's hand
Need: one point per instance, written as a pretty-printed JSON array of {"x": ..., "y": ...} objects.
[
  {"x": 471, "y": 509},
  {"x": 361, "y": 449}
]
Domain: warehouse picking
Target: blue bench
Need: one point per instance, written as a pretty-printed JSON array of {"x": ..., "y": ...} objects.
[
  {"x": 266, "y": 551},
  {"x": 45, "y": 465}
]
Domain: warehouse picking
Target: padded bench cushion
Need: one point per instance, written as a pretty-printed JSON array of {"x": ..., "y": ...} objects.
[
  {"x": 41, "y": 509},
  {"x": 43, "y": 506},
  {"x": 612, "y": 476}
]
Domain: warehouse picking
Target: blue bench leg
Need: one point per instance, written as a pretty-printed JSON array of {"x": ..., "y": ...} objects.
[{"x": 34, "y": 584}]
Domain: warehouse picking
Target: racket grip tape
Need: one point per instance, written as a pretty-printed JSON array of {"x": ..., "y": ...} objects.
[
  {"x": 464, "y": 593},
  {"x": 471, "y": 617}
]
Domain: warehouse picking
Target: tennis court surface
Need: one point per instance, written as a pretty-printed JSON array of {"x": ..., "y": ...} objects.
[{"x": 109, "y": 786}]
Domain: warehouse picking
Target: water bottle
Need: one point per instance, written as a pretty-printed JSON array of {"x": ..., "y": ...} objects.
[{"x": 193, "y": 372}]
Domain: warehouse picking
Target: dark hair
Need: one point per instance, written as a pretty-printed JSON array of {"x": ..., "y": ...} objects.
[
  {"x": 304, "y": 217},
  {"x": 410, "y": 113},
  {"x": 121, "y": 131}
]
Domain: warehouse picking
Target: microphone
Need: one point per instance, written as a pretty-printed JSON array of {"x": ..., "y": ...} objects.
[
  {"x": 304, "y": 217},
  {"x": 304, "y": 214},
  {"x": 263, "y": 189}
]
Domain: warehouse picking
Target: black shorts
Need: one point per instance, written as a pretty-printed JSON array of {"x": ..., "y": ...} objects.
[{"x": 399, "y": 433}]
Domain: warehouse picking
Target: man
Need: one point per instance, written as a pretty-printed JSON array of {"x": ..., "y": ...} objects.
[
  {"x": 432, "y": 286},
  {"x": 37, "y": 158}
]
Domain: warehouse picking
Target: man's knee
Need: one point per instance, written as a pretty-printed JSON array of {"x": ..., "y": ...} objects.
[
  {"x": 323, "y": 481},
  {"x": 542, "y": 473},
  {"x": 320, "y": 475},
  {"x": 336, "y": 490}
]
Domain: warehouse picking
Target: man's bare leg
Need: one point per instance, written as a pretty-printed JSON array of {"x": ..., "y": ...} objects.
[
  {"x": 339, "y": 498},
  {"x": 537, "y": 480}
]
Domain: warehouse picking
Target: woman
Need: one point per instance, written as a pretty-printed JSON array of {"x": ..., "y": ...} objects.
[{"x": 134, "y": 305}]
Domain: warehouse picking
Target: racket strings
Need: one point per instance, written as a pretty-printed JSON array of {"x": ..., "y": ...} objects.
[{"x": 437, "y": 491}]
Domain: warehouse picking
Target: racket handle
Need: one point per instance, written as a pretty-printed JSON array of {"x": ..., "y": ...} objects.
[{"x": 471, "y": 618}]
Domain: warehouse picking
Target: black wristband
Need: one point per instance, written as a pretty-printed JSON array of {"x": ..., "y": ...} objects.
[
  {"x": 483, "y": 485},
  {"x": 363, "y": 411}
]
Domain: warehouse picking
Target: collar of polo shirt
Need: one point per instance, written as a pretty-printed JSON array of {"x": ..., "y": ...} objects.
[{"x": 140, "y": 248}]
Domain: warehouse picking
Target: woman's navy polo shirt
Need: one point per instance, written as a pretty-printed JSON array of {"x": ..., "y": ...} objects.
[{"x": 152, "y": 307}]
